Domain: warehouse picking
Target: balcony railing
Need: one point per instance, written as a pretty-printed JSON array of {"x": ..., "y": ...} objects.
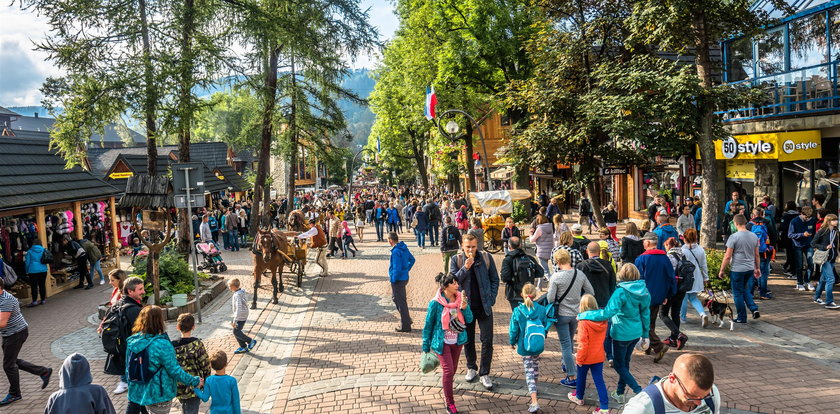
[{"x": 802, "y": 91}]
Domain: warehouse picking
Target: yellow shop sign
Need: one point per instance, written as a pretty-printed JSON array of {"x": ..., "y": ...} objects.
[
  {"x": 782, "y": 146},
  {"x": 120, "y": 175}
]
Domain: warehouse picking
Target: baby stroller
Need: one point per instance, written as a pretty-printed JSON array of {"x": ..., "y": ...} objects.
[{"x": 211, "y": 257}]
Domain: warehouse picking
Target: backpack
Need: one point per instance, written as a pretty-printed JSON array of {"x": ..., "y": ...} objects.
[
  {"x": 760, "y": 230},
  {"x": 534, "y": 336},
  {"x": 139, "y": 367},
  {"x": 525, "y": 270},
  {"x": 684, "y": 274},
  {"x": 631, "y": 249},
  {"x": 114, "y": 328},
  {"x": 659, "y": 403},
  {"x": 10, "y": 277},
  {"x": 47, "y": 257}
]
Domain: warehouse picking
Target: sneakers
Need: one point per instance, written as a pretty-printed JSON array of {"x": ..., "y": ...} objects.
[
  {"x": 704, "y": 320},
  {"x": 485, "y": 381},
  {"x": 800, "y": 287},
  {"x": 33, "y": 304},
  {"x": 670, "y": 342},
  {"x": 533, "y": 407},
  {"x": 600, "y": 411},
  {"x": 681, "y": 340},
  {"x": 832, "y": 305},
  {"x": 10, "y": 399},
  {"x": 756, "y": 314},
  {"x": 121, "y": 388},
  {"x": 45, "y": 378},
  {"x": 252, "y": 344},
  {"x": 567, "y": 382},
  {"x": 660, "y": 354},
  {"x": 573, "y": 398},
  {"x": 101, "y": 281},
  {"x": 809, "y": 287},
  {"x": 819, "y": 301},
  {"x": 471, "y": 375},
  {"x": 619, "y": 398},
  {"x": 450, "y": 409},
  {"x": 241, "y": 350}
]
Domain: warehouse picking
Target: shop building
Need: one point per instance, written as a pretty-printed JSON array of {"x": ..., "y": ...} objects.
[{"x": 42, "y": 201}]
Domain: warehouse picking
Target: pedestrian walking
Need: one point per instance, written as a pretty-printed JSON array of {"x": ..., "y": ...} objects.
[
  {"x": 400, "y": 264},
  {"x": 123, "y": 314},
  {"x": 689, "y": 388},
  {"x": 685, "y": 221},
  {"x": 380, "y": 215},
  {"x": 393, "y": 218},
  {"x": 825, "y": 247},
  {"x": 192, "y": 357},
  {"x": 628, "y": 312},
  {"x": 509, "y": 231},
  {"x": 658, "y": 273},
  {"x": 232, "y": 223},
  {"x": 801, "y": 232},
  {"x": 434, "y": 215},
  {"x": 94, "y": 256},
  {"x": 478, "y": 277},
  {"x": 631, "y": 244},
  {"x": 420, "y": 223},
  {"x": 564, "y": 290},
  {"x": 360, "y": 223},
  {"x": 239, "y": 303},
  {"x": 462, "y": 219},
  {"x": 77, "y": 394},
  {"x": 611, "y": 220},
  {"x": 347, "y": 240},
  {"x": 695, "y": 254},
  {"x": 319, "y": 242},
  {"x": 444, "y": 332},
  {"x": 334, "y": 233},
  {"x": 477, "y": 230},
  {"x": 669, "y": 312},
  {"x": 518, "y": 270},
  {"x": 742, "y": 253},
  {"x": 585, "y": 211},
  {"x": 15, "y": 330},
  {"x": 590, "y": 356},
  {"x": 36, "y": 271},
  {"x": 764, "y": 229},
  {"x": 450, "y": 242},
  {"x": 220, "y": 387},
  {"x": 528, "y": 325},
  {"x": 150, "y": 350},
  {"x": 543, "y": 238},
  {"x": 664, "y": 231}
]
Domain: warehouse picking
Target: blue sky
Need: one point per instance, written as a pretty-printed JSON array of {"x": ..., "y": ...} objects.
[{"x": 23, "y": 70}]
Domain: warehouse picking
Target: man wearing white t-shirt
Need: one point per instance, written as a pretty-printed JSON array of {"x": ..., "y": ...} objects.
[{"x": 689, "y": 388}]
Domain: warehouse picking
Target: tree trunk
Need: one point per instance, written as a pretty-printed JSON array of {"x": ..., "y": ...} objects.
[
  {"x": 290, "y": 191},
  {"x": 702, "y": 59},
  {"x": 418, "y": 153},
  {"x": 468, "y": 140},
  {"x": 269, "y": 102},
  {"x": 186, "y": 110},
  {"x": 595, "y": 200},
  {"x": 150, "y": 101}
]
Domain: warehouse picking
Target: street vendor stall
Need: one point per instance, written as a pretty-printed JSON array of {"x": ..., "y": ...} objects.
[{"x": 492, "y": 205}]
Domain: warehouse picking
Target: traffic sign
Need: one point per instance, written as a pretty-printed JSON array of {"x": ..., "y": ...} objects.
[{"x": 196, "y": 177}]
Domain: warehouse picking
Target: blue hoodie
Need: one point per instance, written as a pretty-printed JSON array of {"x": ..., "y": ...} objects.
[
  {"x": 519, "y": 319},
  {"x": 628, "y": 310},
  {"x": 33, "y": 260},
  {"x": 401, "y": 262},
  {"x": 658, "y": 273},
  {"x": 665, "y": 232},
  {"x": 162, "y": 361},
  {"x": 798, "y": 227}
]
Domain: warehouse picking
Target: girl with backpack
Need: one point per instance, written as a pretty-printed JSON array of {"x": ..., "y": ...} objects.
[
  {"x": 669, "y": 313},
  {"x": 153, "y": 371},
  {"x": 631, "y": 244},
  {"x": 528, "y": 325},
  {"x": 445, "y": 333},
  {"x": 591, "y": 356}
]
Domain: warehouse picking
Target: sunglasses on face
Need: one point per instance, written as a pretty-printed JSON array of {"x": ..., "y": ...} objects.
[{"x": 698, "y": 401}]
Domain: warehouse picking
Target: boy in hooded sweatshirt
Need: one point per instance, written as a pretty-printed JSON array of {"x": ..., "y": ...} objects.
[
  {"x": 664, "y": 231},
  {"x": 530, "y": 351},
  {"x": 192, "y": 357},
  {"x": 77, "y": 394},
  {"x": 590, "y": 356}
]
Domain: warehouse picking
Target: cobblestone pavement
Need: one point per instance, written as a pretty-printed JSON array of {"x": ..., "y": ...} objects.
[{"x": 330, "y": 346}]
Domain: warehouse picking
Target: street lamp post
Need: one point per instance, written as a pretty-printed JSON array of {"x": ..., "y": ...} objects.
[
  {"x": 350, "y": 176},
  {"x": 450, "y": 130}
]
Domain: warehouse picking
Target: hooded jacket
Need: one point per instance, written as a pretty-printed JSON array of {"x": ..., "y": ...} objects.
[
  {"x": 631, "y": 248},
  {"x": 422, "y": 221},
  {"x": 665, "y": 232},
  {"x": 401, "y": 262},
  {"x": 543, "y": 237},
  {"x": 92, "y": 251},
  {"x": 656, "y": 270},
  {"x": 162, "y": 361},
  {"x": 797, "y": 229},
  {"x": 601, "y": 276},
  {"x": 590, "y": 342},
  {"x": 433, "y": 331},
  {"x": 628, "y": 310},
  {"x": 192, "y": 356},
  {"x": 76, "y": 394},
  {"x": 33, "y": 260},
  {"x": 508, "y": 274},
  {"x": 518, "y": 320}
]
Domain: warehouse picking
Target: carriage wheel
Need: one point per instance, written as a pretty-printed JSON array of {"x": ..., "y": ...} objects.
[{"x": 493, "y": 240}]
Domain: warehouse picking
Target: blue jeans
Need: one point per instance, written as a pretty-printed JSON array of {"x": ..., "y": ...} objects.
[
  {"x": 421, "y": 238},
  {"x": 432, "y": 231},
  {"x": 826, "y": 282},
  {"x": 597, "y": 378},
  {"x": 380, "y": 230},
  {"x": 621, "y": 365},
  {"x": 240, "y": 336},
  {"x": 761, "y": 282},
  {"x": 743, "y": 300},
  {"x": 234, "y": 240},
  {"x": 803, "y": 267},
  {"x": 96, "y": 266},
  {"x": 695, "y": 303},
  {"x": 226, "y": 240},
  {"x": 566, "y": 327},
  {"x": 546, "y": 267}
]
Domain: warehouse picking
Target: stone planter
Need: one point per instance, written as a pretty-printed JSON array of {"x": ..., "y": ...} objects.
[{"x": 208, "y": 293}]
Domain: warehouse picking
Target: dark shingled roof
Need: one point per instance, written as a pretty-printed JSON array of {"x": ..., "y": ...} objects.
[
  {"x": 235, "y": 180},
  {"x": 138, "y": 165},
  {"x": 212, "y": 183},
  {"x": 213, "y": 154},
  {"x": 101, "y": 159},
  {"x": 41, "y": 124},
  {"x": 35, "y": 176},
  {"x": 4, "y": 111}
]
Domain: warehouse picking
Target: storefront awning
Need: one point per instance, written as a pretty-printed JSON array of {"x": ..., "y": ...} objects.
[{"x": 782, "y": 146}]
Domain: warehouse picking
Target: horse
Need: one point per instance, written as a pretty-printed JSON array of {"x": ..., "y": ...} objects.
[
  {"x": 269, "y": 250},
  {"x": 296, "y": 221}
]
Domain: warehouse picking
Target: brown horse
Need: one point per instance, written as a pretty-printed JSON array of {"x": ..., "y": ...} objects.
[
  {"x": 296, "y": 221},
  {"x": 269, "y": 250}
]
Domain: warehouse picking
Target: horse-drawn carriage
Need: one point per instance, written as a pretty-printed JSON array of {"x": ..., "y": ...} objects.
[{"x": 493, "y": 205}]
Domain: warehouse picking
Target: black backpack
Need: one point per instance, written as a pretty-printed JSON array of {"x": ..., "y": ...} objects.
[
  {"x": 631, "y": 249},
  {"x": 47, "y": 257},
  {"x": 139, "y": 367},
  {"x": 114, "y": 329},
  {"x": 684, "y": 273},
  {"x": 525, "y": 270}
]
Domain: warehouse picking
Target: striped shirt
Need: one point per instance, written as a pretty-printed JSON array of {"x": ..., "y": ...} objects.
[
  {"x": 9, "y": 303},
  {"x": 240, "y": 305}
]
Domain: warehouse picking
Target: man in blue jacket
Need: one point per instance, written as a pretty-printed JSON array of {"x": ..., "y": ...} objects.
[
  {"x": 401, "y": 262},
  {"x": 658, "y": 273},
  {"x": 479, "y": 281},
  {"x": 801, "y": 232},
  {"x": 665, "y": 231}
]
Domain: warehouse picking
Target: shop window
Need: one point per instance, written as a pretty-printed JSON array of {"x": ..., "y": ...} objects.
[
  {"x": 771, "y": 52},
  {"x": 740, "y": 59},
  {"x": 834, "y": 22},
  {"x": 807, "y": 41}
]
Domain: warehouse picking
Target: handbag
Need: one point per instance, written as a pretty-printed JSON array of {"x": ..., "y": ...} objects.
[
  {"x": 428, "y": 362},
  {"x": 821, "y": 256}
]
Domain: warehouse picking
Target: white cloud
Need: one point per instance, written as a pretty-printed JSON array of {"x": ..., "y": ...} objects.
[{"x": 22, "y": 69}]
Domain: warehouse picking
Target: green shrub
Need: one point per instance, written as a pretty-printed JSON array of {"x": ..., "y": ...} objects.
[
  {"x": 714, "y": 258},
  {"x": 175, "y": 273},
  {"x": 520, "y": 212}
]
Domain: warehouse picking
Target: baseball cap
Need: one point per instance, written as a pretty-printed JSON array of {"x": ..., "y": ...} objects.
[
  {"x": 577, "y": 227},
  {"x": 651, "y": 236}
]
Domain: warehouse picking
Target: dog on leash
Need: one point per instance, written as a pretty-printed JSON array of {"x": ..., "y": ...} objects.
[{"x": 719, "y": 310}]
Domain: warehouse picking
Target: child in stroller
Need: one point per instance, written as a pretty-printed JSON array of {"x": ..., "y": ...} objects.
[{"x": 211, "y": 257}]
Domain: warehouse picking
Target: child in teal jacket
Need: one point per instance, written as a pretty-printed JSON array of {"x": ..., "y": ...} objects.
[{"x": 535, "y": 337}]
